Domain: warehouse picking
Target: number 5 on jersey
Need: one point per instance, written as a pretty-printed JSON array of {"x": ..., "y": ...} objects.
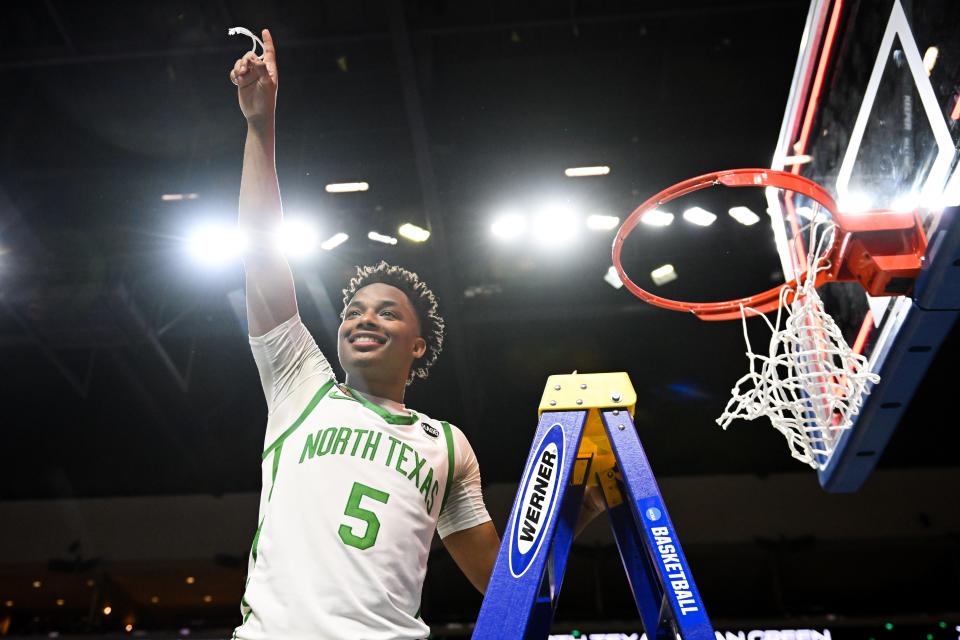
[{"x": 354, "y": 510}]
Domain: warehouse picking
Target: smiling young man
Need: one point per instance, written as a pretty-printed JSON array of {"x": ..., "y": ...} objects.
[{"x": 354, "y": 482}]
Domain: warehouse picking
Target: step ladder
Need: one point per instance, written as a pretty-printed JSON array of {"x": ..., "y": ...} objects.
[{"x": 586, "y": 437}]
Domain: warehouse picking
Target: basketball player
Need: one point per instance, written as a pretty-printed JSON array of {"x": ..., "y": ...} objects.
[{"x": 354, "y": 482}]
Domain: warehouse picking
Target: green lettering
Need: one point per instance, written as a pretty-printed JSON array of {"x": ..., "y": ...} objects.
[
  {"x": 326, "y": 441},
  {"x": 370, "y": 448},
  {"x": 356, "y": 440},
  {"x": 416, "y": 471},
  {"x": 425, "y": 486},
  {"x": 404, "y": 450},
  {"x": 433, "y": 496},
  {"x": 393, "y": 443},
  {"x": 343, "y": 437},
  {"x": 310, "y": 447}
]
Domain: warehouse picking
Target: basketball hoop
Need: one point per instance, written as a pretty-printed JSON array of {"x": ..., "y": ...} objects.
[
  {"x": 810, "y": 384},
  {"x": 882, "y": 250}
]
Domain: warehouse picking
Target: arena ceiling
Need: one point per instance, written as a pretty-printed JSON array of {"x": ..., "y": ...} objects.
[{"x": 125, "y": 364}]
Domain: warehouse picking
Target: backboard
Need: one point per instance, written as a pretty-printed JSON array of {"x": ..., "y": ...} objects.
[{"x": 873, "y": 116}]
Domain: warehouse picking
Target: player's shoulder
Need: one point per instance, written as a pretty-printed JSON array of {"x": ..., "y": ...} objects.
[
  {"x": 458, "y": 439},
  {"x": 430, "y": 423}
]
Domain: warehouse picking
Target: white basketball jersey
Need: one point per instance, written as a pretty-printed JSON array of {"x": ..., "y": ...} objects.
[{"x": 349, "y": 506}]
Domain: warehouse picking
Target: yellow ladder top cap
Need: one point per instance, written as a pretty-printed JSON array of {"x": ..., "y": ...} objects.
[{"x": 582, "y": 391}]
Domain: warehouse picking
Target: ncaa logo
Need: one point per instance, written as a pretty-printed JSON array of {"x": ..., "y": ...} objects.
[{"x": 538, "y": 492}]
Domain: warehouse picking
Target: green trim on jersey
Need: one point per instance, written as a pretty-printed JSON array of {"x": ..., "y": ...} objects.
[
  {"x": 276, "y": 465},
  {"x": 275, "y": 448},
  {"x": 317, "y": 397},
  {"x": 448, "y": 434},
  {"x": 390, "y": 418},
  {"x": 256, "y": 540}
]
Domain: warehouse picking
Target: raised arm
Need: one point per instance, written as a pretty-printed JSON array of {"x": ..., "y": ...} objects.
[{"x": 271, "y": 298}]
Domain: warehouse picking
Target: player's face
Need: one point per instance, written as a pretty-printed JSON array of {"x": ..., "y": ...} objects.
[{"x": 380, "y": 334}]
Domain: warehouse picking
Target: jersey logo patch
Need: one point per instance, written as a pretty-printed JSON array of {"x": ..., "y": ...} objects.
[
  {"x": 431, "y": 430},
  {"x": 337, "y": 396}
]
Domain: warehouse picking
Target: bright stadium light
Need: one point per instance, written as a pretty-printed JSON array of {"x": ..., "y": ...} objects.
[
  {"x": 602, "y": 223},
  {"x": 699, "y": 216},
  {"x": 657, "y": 218},
  {"x": 346, "y": 187},
  {"x": 215, "y": 244},
  {"x": 509, "y": 226},
  {"x": 580, "y": 172},
  {"x": 413, "y": 233},
  {"x": 744, "y": 216},
  {"x": 663, "y": 275},
  {"x": 297, "y": 238},
  {"x": 334, "y": 241},
  {"x": 930, "y": 59},
  {"x": 554, "y": 225},
  {"x": 379, "y": 237},
  {"x": 612, "y": 278}
]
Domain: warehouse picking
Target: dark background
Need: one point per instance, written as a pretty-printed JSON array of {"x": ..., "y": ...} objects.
[{"x": 126, "y": 373}]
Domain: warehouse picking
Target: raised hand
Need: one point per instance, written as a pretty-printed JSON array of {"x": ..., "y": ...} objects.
[{"x": 257, "y": 82}]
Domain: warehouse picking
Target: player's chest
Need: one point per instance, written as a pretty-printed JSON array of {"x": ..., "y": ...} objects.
[{"x": 345, "y": 440}]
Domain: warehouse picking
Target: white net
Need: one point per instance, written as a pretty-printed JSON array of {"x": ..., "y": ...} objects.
[{"x": 810, "y": 384}]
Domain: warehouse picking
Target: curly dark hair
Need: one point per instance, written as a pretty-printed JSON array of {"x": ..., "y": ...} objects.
[{"x": 421, "y": 297}]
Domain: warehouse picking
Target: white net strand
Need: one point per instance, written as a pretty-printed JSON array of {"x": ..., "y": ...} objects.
[
  {"x": 243, "y": 31},
  {"x": 810, "y": 384}
]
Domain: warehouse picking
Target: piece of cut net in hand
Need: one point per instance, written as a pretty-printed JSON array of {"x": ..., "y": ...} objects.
[{"x": 810, "y": 384}]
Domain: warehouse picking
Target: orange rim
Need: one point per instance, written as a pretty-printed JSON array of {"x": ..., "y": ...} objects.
[{"x": 725, "y": 309}]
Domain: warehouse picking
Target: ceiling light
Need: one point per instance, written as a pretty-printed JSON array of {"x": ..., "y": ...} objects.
[
  {"x": 555, "y": 225},
  {"x": 297, "y": 238},
  {"x": 379, "y": 237},
  {"x": 657, "y": 218},
  {"x": 208, "y": 599},
  {"x": 509, "y": 226},
  {"x": 580, "y": 172},
  {"x": 413, "y": 232},
  {"x": 154, "y": 599},
  {"x": 699, "y": 216},
  {"x": 612, "y": 278},
  {"x": 107, "y": 610},
  {"x": 37, "y": 584},
  {"x": 173, "y": 197},
  {"x": 346, "y": 187},
  {"x": 930, "y": 59},
  {"x": 216, "y": 243},
  {"x": 334, "y": 241},
  {"x": 190, "y": 580},
  {"x": 602, "y": 223},
  {"x": 128, "y": 627},
  {"x": 663, "y": 275},
  {"x": 744, "y": 215}
]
